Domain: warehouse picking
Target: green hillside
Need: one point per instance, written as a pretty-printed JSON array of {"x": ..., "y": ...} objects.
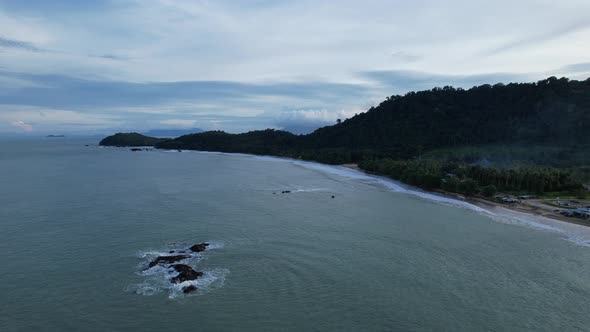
[{"x": 536, "y": 130}]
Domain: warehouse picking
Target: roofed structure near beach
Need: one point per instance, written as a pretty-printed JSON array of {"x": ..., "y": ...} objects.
[{"x": 583, "y": 213}]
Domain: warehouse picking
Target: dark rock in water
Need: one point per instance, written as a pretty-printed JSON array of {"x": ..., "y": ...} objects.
[
  {"x": 136, "y": 149},
  {"x": 189, "y": 289},
  {"x": 181, "y": 267},
  {"x": 166, "y": 259},
  {"x": 171, "y": 251},
  {"x": 199, "y": 247},
  {"x": 186, "y": 273},
  {"x": 185, "y": 276},
  {"x": 286, "y": 192}
]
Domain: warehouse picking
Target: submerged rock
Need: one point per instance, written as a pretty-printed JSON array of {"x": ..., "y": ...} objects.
[
  {"x": 186, "y": 273},
  {"x": 199, "y": 247},
  {"x": 166, "y": 259},
  {"x": 189, "y": 289}
]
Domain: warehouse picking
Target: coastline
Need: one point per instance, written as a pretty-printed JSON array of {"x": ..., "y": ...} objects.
[
  {"x": 573, "y": 230},
  {"x": 493, "y": 206}
]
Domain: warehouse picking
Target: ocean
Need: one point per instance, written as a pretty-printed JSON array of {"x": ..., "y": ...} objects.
[{"x": 293, "y": 246}]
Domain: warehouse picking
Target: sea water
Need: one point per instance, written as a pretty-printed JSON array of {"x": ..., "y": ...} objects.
[{"x": 79, "y": 224}]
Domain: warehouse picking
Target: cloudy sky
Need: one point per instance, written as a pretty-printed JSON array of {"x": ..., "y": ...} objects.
[{"x": 70, "y": 66}]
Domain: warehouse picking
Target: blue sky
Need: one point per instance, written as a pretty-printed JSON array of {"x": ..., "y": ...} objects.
[{"x": 105, "y": 66}]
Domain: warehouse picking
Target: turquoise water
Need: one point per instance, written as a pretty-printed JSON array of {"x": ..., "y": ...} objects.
[{"x": 78, "y": 224}]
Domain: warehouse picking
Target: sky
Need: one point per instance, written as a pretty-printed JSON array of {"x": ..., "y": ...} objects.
[{"x": 99, "y": 67}]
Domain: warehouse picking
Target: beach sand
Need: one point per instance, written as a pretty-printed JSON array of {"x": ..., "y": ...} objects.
[{"x": 534, "y": 208}]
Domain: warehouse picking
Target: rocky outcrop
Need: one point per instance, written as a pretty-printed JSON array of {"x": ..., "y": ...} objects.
[
  {"x": 199, "y": 247},
  {"x": 188, "y": 289},
  {"x": 186, "y": 273},
  {"x": 167, "y": 259}
]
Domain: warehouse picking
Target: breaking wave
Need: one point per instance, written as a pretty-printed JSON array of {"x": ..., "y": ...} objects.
[
  {"x": 577, "y": 234},
  {"x": 156, "y": 280}
]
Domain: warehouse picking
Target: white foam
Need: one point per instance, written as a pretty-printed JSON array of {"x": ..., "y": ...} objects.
[
  {"x": 152, "y": 253},
  {"x": 214, "y": 245},
  {"x": 577, "y": 234},
  {"x": 308, "y": 190},
  {"x": 157, "y": 279},
  {"x": 388, "y": 183},
  {"x": 210, "y": 280},
  {"x": 145, "y": 288},
  {"x": 574, "y": 233}
]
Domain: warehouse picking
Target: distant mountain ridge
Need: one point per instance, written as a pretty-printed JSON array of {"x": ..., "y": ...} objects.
[{"x": 171, "y": 133}]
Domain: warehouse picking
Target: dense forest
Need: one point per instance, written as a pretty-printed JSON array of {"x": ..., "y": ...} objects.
[
  {"x": 474, "y": 179},
  {"x": 131, "y": 139},
  {"x": 553, "y": 111},
  {"x": 417, "y": 138}
]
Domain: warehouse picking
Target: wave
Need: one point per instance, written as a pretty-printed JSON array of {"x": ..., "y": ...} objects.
[
  {"x": 156, "y": 280},
  {"x": 577, "y": 234},
  {"x": 211, "y": 279}
]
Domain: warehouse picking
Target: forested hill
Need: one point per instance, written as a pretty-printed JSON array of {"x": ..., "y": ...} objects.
[
  {"x": 552, "y": 111},
  {"x": 549, "y": 112},
  {"x": 262, "y": 142},
  {"x": 514, "y": 131},
  {"x": 130, "y": 139}
]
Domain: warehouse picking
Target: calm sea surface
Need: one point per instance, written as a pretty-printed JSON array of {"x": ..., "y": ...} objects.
[{"x": 78, "y": 224}]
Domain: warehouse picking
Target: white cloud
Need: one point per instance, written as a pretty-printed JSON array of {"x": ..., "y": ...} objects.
[
  {"x": 314, "y": 116},
  {"x": 170, "y": 40},
  {"x": 306, "y": 120},
  {"x": 45, "y": 120},
  {"x": 183, "y": 123},
  {"x": 22, "y": 125},
  {"x": 267, "y": 42},
  {"x": 31, "y": 29}
]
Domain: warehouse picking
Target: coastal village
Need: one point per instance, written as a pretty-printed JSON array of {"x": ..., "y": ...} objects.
[{"x": 570, "y": 208}]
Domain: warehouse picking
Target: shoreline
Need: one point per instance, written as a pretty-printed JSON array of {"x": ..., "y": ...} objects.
[{"x": 489, "y": 205}]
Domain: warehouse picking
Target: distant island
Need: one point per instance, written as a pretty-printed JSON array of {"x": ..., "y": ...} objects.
[
  {"x": 131, "y": 139},
  {"x": 518, "y": 139},
  {"x": 55, "y": 136}
]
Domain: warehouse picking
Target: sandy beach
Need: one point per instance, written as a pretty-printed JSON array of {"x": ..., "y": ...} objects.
[{"x": 536, "y": 208}]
